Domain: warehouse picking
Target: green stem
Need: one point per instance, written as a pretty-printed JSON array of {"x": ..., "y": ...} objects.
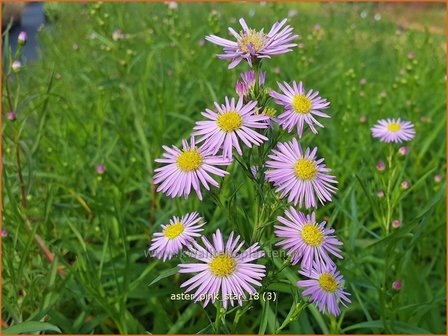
[
  {"x": 391, "y": 176},
  {"x": 333, "y": 325},
  {"x": 217, "y": 318},
  {"x": 266, "y": 284},
  {"x": 257, "y": 67},
  {"x": 8, "y": 94}
]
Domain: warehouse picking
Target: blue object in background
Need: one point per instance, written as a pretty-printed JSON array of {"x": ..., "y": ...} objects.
[{"x": 32, "y": 18}]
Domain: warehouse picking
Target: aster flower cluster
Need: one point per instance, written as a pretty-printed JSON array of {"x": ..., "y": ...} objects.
[
  {"x": 220, "y": 266},
  {"x": 229, "y": 131},
  {"x": 392, "y": 131}
]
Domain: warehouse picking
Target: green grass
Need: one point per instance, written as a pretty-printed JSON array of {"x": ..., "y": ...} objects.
[{"x": 117, "y": 103}]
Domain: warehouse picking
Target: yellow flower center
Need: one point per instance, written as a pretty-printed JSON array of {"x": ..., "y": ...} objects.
[
  {"x": 311, "y": 235},
  {"x": 223, "y": 265},
  {"x": 301, "y": 104},
  {"x": 305, "y": 169},
  {"x": 174, "y": 230},
  {"x": 230, "y": 121},
  {"x": 189, "y": 160},
  {"x": 257, "y": 39},
  {"x": 328, "y": 283},
  {"x": 393, "y": 127}
]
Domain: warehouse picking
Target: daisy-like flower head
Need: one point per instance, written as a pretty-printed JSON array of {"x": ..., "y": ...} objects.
[
  {"x": 188, "y": 169},
  {"x": 231, "y": 122},
  {"x": 178, "y": 233},
  {"x": 300, "y": 107},
  {"x": 306, "y": 240},
  {"x": 251, "y": 45},
  {"x": 300, "y": 174},
  {"x": 222, "y": 270},
  {"x": 325, "y": 285},
  {"x": 393, "y": 130}
]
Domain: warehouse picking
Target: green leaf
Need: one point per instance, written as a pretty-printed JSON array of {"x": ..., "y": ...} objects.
[
  {"x": 165, "y": 274},
  {"x": 29, "y": 327},
  {"x": 400, "y": 327},
  {"x": 186, "y": 315}
]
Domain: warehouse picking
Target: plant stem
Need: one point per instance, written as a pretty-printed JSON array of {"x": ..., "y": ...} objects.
[
  {"x": 21, "y": 181},
  {"x": 218, "y": 318},
  {"x": 391, "y": 176},
  {"x": 333, "y": 325}
]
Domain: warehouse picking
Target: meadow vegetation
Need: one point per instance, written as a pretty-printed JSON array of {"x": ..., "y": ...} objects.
[{"x": 115, "y": 82}]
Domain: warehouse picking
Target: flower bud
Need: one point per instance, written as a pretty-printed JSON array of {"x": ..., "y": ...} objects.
[
  {"x": 254, "y": 171},
  {"x": 23, "y": 37},
  {"x": 403, "y": 150},
  {"x": 241, "y": 89},
  {"x": 437, "y": 178},
  {"x": 396, "y": 285},
  {"x": 16, "y": 66},
  {"x": 396, "y": 223},
  {"x": 405, "y": 185},
  {"x": 380, "y": 193},
  {"x": 380, "y": 166},
  {"x": 11, "y": 116},
  {"x": 100, "y": 169}
]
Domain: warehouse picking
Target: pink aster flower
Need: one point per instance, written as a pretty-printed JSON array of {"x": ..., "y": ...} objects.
[
  {"x": 231, "y": 123},
  {"x": 306, "y": 240},
  {"x": 252, "y": 45},
  {"x": 300, "y": 107},
  {"x": 187, "y": 169},
  {"x": 178, "y": 233},
  {"x": 325, "y": 285},
  {"x": 222, "y": 270},
  {"x": 393, "y": 130},
  {"x": 300, "y": 174}
]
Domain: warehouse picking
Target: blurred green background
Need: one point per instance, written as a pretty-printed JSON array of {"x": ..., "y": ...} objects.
[{"x": 94, "y": 97}]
